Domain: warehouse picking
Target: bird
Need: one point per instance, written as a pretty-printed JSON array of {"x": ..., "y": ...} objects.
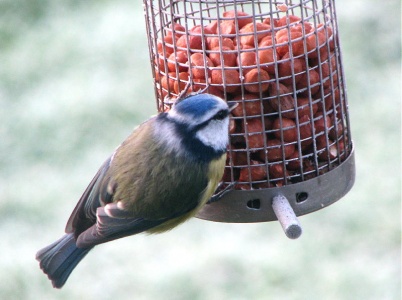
[{"x": 162, "y": 174}]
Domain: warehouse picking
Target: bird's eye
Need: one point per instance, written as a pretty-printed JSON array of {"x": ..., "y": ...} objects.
[{"x": 220, "y": 115}]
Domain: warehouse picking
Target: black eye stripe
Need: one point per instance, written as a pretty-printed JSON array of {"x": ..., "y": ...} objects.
[{"x": 220, "y": 115}]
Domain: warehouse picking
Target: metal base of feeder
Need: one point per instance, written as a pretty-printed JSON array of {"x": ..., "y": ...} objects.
[{"x": 305, "y": 197}]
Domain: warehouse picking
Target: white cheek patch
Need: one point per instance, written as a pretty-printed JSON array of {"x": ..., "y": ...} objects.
[{"x": 215, "y": 134}]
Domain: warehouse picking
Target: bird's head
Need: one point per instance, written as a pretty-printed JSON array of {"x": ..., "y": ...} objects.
[{"x": 204, "y": 116}]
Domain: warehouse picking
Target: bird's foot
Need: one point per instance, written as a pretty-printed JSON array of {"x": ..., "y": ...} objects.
[{"x": 218, "y": 195}]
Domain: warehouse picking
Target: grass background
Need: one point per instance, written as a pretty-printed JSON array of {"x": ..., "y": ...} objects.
[{"x": 75, "y": 80}]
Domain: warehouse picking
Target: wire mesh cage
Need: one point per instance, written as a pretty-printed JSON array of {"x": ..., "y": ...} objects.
[{"x": 281, "y": 61}]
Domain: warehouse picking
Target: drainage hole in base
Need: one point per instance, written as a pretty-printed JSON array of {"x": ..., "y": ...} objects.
[
  {"x": 301, "y": 197},
  {"x": 254, "y": 204}
]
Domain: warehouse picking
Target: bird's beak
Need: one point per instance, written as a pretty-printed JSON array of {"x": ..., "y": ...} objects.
[{"x": 232, "y": 105}]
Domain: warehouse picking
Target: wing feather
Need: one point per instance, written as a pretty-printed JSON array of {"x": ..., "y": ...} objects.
[
  {"x": 84, "y": 213},
  {"x": 113, "y": 223}
]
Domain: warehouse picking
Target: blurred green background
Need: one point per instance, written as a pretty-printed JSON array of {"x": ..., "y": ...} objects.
[{"x": 74, "y": 81}]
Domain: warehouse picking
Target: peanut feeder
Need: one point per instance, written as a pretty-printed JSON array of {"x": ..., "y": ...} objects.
[{"x": 291, "y": 151}]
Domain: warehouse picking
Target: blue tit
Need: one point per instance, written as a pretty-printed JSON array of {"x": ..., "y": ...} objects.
[{"x": 159, "y": 177}]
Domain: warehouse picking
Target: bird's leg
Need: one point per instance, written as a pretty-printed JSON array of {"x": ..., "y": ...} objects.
[
  {"x": 203, "y": 90},
  {"x": 218, "y": 195},
  {"x": 180, "y": 96},
  {"x": 183, "y": 93}
]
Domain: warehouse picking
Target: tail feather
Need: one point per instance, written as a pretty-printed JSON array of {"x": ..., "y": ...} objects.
[{"x": 59, "y": 259}]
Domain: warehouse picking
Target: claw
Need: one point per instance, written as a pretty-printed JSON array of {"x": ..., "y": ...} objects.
[
  {"x": 218, "y": 195},
  {"x": 183, "y": 93},
  {"x": 180, "y": 96},
  {"x": 203, "y": 90}
]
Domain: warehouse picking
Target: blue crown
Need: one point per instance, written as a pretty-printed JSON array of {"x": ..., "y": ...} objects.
[{"x": 196, "y": 105}]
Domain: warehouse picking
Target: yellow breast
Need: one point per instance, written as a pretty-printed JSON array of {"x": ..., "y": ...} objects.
[{"x": 215, "y": 174}]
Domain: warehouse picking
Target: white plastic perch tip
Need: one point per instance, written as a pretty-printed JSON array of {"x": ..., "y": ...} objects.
[{"x": 286, "y": 217}]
